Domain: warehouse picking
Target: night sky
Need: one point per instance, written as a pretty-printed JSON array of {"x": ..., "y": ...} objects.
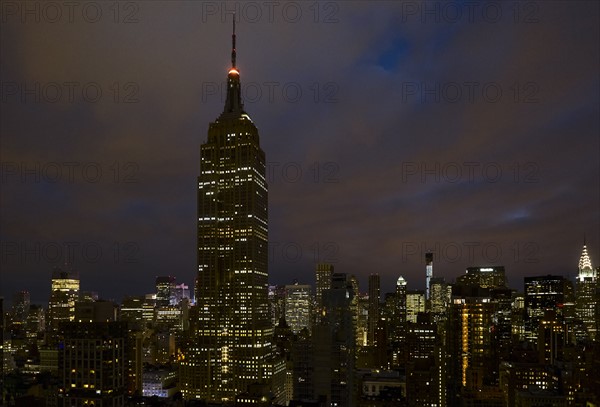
[{"x": 390, "y": 128}]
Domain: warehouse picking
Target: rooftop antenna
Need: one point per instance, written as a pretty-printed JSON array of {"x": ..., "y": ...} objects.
[{"x": 233, "y": 44}]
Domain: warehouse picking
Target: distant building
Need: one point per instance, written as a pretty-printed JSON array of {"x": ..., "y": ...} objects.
[
  {"x": 355, "y": 306},
  {"x": 132, "y": 311},
  {"x": 554, "y": 335},
  {"x": 425, "y": 363},
  {"x": 535, "y": 398},
  {"x": 258, "y": 394},
  {"x": 421, "y": 338},
  {"x": 148, "y": 308},
  {"x": 472, "y": 350},
  {"x": 49, "y": 360},
  {"x": 98, "y": 311},
  {"x": 179, "y": 293},
  {"x": 504, "y": 334},
  {"x": 483, "y": 276},
  {"x": 586, "y": 294},
  {"x": 398, "y": 315},
  {"x": 333, "y": 345},
  {"x": 159, "y": 383},
  {"x": 428, "y": 273},
  {"x": 165, "y": 286},
  {"x": 517, "y": 318},
  {"x": 35, "y": 324},
  {"x": 21, "y": 304},
  {"x": 92, "y": 364},
  {"x": 298, "y": 307},
  {"x": 276, "y": 303},
  {"x": 415, "y": 303},
  {"x": 303, "y": 367},
  {"x": 374, "y": 300},
  {"x": 323, "y": 274},
  {"x": 169, "y": 318},
  {"x": 88, "y": 296},
  {"x": 395, "y": 315},
  {"x": 362, "y": 319},
  {"x": 64, "y": 293},
  {"x": 544, "y": 293},
  {"x": 383, "y": 386},
  {"x": 439, "y": 299}
]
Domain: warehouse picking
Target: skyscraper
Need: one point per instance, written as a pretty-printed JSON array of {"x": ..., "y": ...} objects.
[
  {"x": 298, "y": 306},
  {"x": 396, "y": 320},
  {"x": 415, "y": 303},
  {"x": 323, "y": 275},
  {"x": 64, "y": 293},
  {"x": 401, "y": 299},
  {"x": 179, "y": 293},
  {"x": 586, "y": 299},
  {"x": 440, "y": 294},
  {"x": 355, "y": 308},
  {"x": 471, "y": 346},
  {"x": 334, "y": 345},
  {"x": 544, "y": 293},
  {"x": 165, "y": 286},
  {"x": 428, "y": 272},
  {"x": 374, "y": 299},
  {"x": 21, "y": 304},
  {"x": 232, "y": 342},
  {"x": 425, "y": 366}
]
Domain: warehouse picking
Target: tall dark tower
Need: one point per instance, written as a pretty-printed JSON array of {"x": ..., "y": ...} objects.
[
  {"x": 232, "y": 334},
  {"x": 323, "y": 274},
  {"x": 374, "y": 299}
]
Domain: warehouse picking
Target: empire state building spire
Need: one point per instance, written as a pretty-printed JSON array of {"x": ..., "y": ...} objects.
[
  {"x": 233, "y": 45},
  {"x": 233, "y": 105}
]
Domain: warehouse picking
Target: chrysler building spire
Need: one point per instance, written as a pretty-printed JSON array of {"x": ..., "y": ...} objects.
[{"x": 585, "y": 263}]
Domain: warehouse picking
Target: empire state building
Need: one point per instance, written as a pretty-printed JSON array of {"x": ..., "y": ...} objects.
[{"x": 231, "y": 340}]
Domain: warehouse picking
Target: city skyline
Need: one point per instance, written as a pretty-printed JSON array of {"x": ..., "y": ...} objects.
[
  {"x": 362, "y": 147},
  {"x": 476, "y": 339}
]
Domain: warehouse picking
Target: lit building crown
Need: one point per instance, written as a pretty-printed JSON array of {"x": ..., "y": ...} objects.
[{"x": 585, "y": 265}]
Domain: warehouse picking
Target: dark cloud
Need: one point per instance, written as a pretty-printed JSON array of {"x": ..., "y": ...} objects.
[{"x": 346, "y": 158}]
